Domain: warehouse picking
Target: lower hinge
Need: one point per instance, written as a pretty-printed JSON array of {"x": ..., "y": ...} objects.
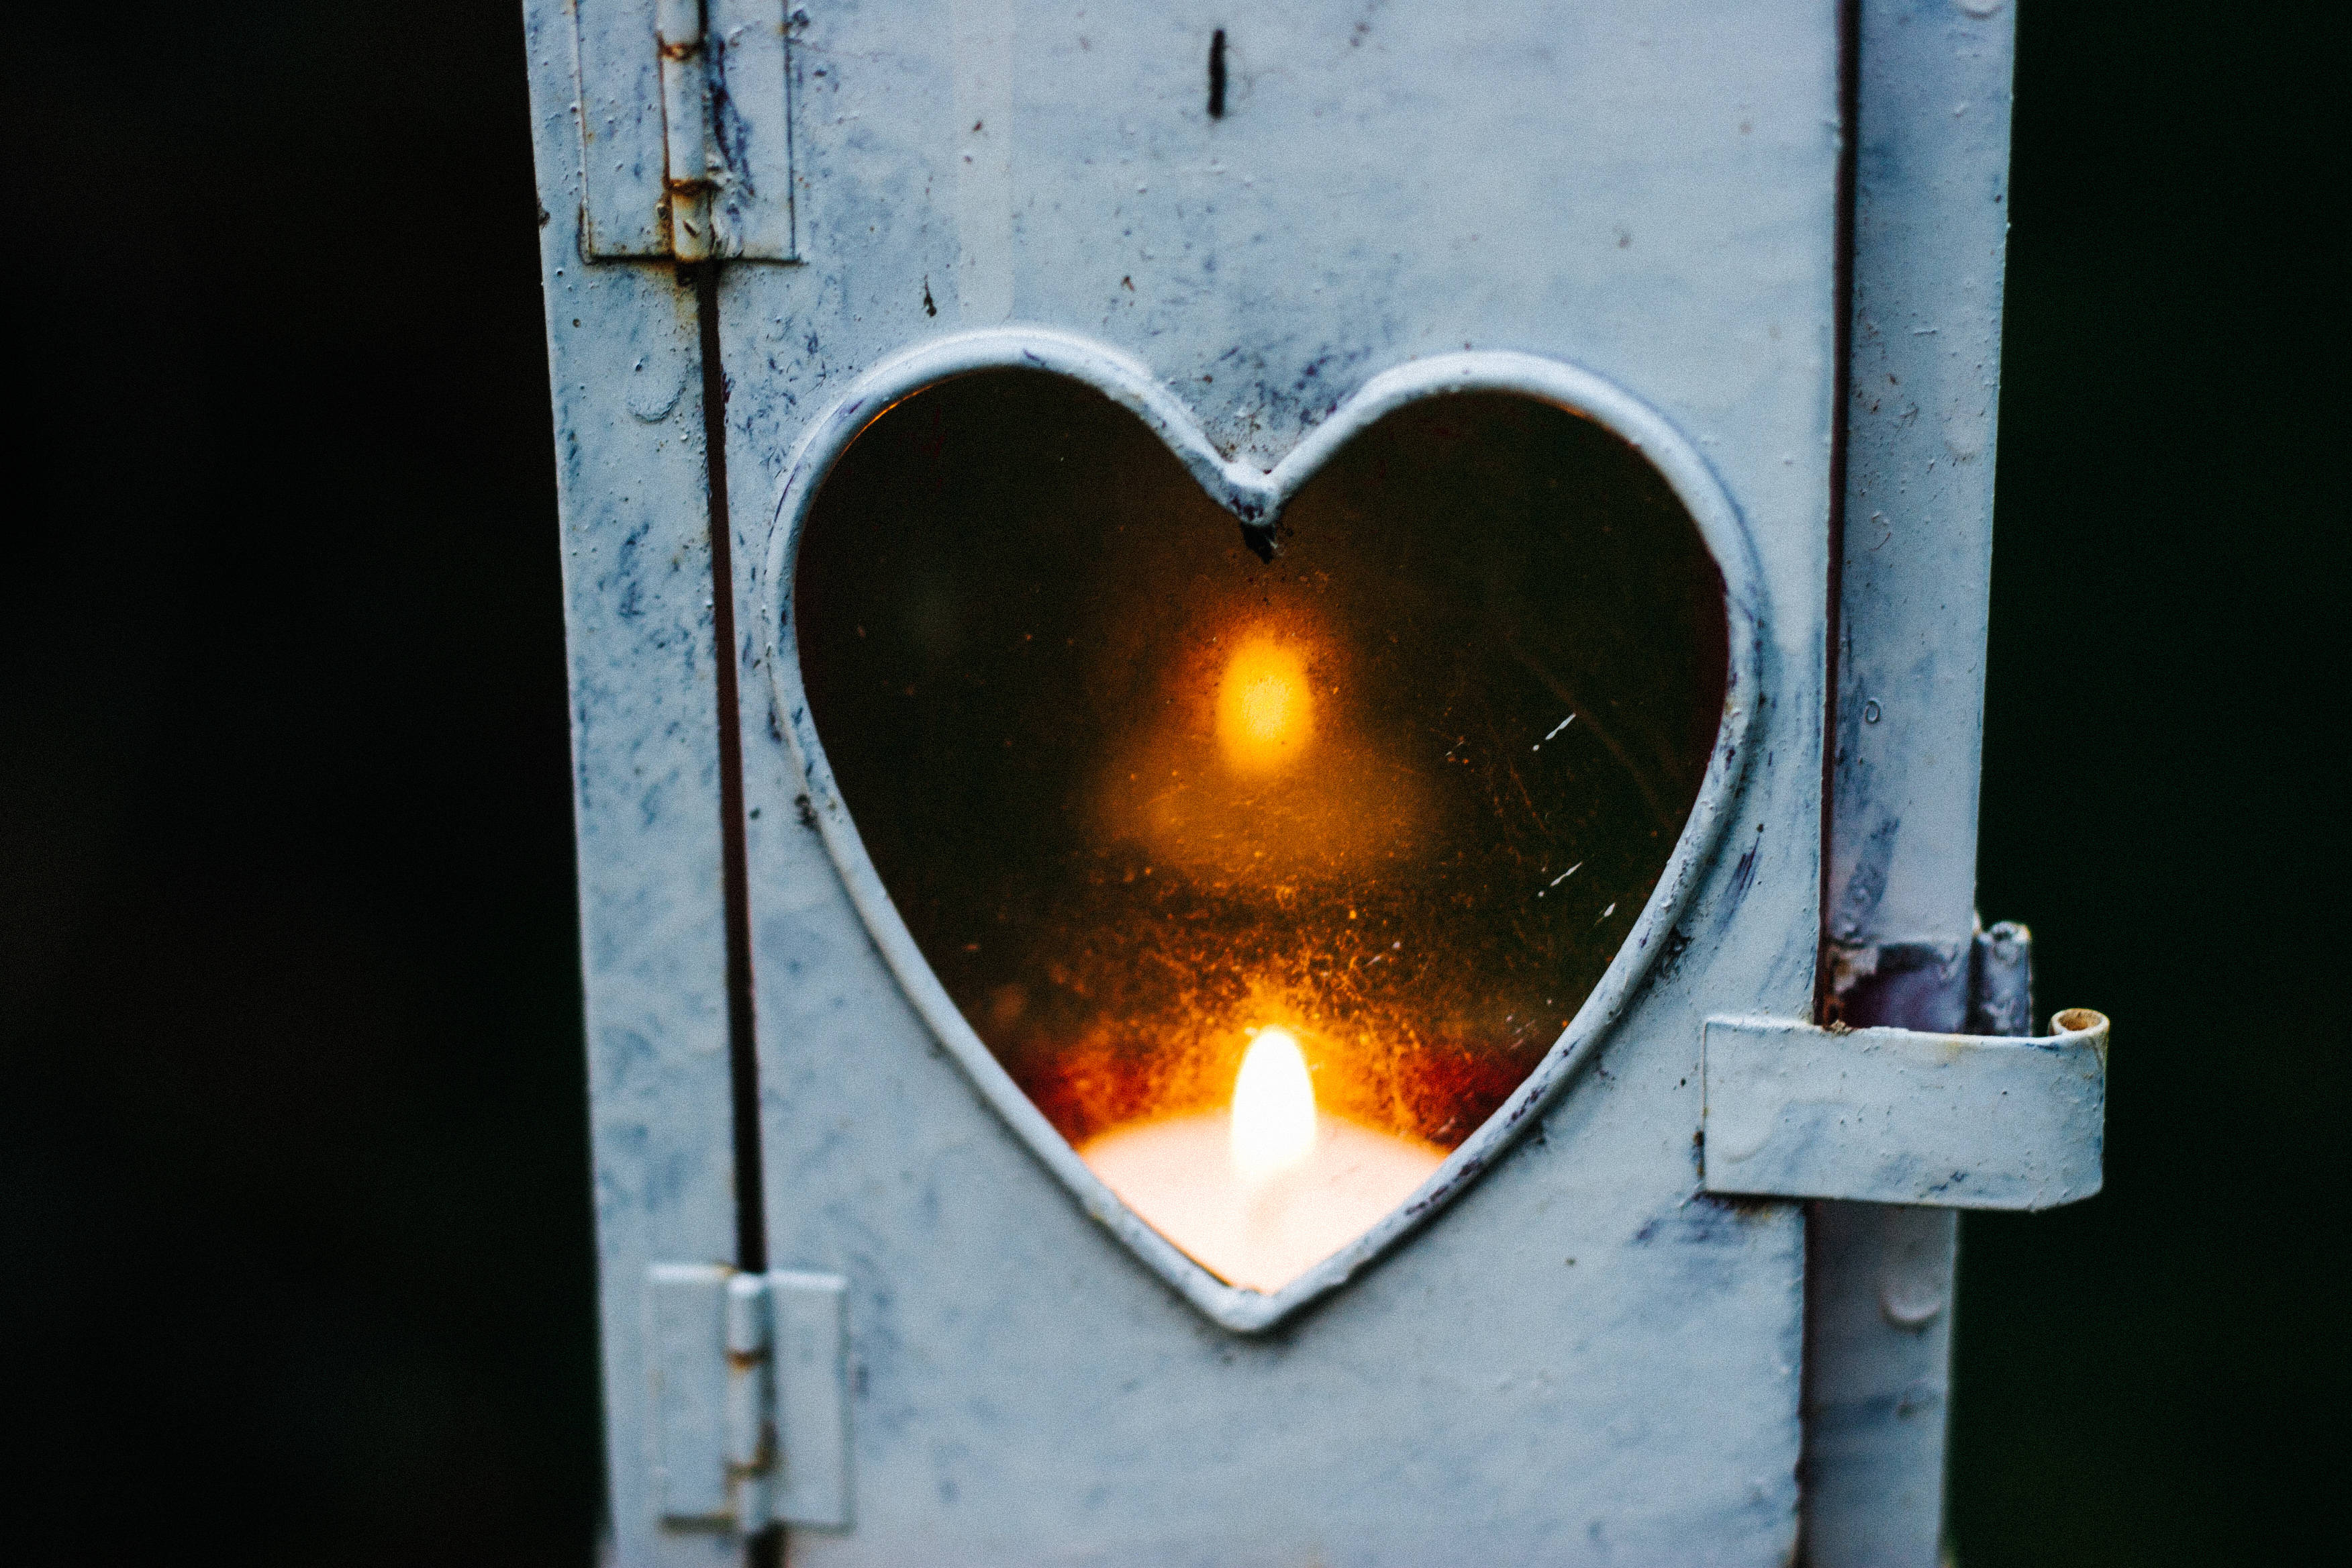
[
  {"x": 1902, "y": 1116},
  {"x": 751, "y": 1412}
]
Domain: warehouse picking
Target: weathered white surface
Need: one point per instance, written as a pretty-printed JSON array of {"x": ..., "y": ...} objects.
[
  {"x": 1893, "y": 1116},
  {"x": 1931, "y": 230},
  {"x": 619, "y": 126},
  {"x": 1879, "y": 1317},
  {"x": 626, "y": 375},
  {"x": 1642, "y": 190},
  {"x": 1931, "y": 221},
  {"x": 812, "y": 1396},
  {"x": 749, "y": 1398},
  {"x": 751, "y": 120},
  {"x": 685, "y": 1346},
  {"x": 722, "y": 115}
]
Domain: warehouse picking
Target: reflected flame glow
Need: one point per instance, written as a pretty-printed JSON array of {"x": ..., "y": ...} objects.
[
  {"x": 1263, "y": 709},
  {"x": 1274, "y": 1108}
]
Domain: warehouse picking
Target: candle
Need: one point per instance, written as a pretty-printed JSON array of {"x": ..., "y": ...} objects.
[
  {"x": 1263, "y": 1191},
  {"x": 1254, "y": 782}
]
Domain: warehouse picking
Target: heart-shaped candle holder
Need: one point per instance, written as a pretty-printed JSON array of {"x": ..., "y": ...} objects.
[{"x": 1270, "y": 880}]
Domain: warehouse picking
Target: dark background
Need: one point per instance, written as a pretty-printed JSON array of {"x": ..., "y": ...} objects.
[{"x": 295, "y": 1262}]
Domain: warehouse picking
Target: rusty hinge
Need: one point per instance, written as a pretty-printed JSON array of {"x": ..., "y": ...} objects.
[
  {"x": 685, "y": 110},
  {"x": 750, "y": 1413}
]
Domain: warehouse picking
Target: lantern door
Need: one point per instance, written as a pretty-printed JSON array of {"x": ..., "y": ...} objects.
[{"x": 1195, "y": 465}]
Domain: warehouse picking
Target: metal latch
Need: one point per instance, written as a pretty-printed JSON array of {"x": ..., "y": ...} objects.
[
  {"x": 685, "y": 110},
  {"x": 751, "y": 1412},
  {"x": 1901, "y": 1116}
]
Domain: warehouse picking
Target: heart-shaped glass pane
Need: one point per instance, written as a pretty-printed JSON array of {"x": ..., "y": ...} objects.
[{"x": 1268, "y": 881}]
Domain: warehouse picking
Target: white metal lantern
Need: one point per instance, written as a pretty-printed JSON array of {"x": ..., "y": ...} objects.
[{"x": 1206, "y": 650}]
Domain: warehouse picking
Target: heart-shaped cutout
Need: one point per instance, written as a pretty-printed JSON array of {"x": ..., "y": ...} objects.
[{"x": 1269, "y": 888}]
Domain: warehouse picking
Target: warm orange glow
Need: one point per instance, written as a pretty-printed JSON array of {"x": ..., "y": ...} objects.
[
  {"x": 1274, "y": 1108},
  {"x": 1257, "y": 763},
  {"x": 1264, "y": 710}
]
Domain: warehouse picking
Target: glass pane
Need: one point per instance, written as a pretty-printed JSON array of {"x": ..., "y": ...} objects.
[{"x": 1374, "y": 815}]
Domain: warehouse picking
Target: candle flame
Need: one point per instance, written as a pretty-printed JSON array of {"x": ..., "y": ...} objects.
[
  {"x": 1263, "y": 708},
  {"x": 1274, "y": 1108}
]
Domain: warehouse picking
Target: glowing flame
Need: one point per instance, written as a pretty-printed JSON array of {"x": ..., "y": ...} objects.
[
  {"x": 1263, "y": 709},
  {"x": 1274, "y": 1108}
]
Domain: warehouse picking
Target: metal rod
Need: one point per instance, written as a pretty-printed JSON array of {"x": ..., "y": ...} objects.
[{"x": 1927, "y": 129}]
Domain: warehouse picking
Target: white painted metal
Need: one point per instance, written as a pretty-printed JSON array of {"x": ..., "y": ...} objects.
[
  {"x": 1645, "y": 191},
  {"x": 1930, "y": 232},
  {"x": 811, "y": 1397},
  {"x": 752, "y": 175},
  {"x": 1257, "y": 497},
  {"x": 685, "y": 128},
  {"x": 749, "y": 1397},
  {"x": 618, "y": 126},
  {"x": 1900, "y": 1116},
  {"x": 1931, "y": 227},
  {"x": 751, "y": 1391},
  {"x": 627, "y": 375},
  {"x": 1879, "y": 1314},
  {"x": 1879, "y": 1317},
  {"x": 687, "y": 1323}
]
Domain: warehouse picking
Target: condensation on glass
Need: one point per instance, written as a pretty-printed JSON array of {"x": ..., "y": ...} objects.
[{"x": 1385, "y": 805}]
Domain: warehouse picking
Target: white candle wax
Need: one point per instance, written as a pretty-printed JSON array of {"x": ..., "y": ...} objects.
[{"x": 1182, "y": 1176}]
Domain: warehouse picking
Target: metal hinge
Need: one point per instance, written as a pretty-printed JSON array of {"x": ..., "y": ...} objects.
[
  {"x": 685, "y": 110},
  {"x": 751, "y": 1409}
]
